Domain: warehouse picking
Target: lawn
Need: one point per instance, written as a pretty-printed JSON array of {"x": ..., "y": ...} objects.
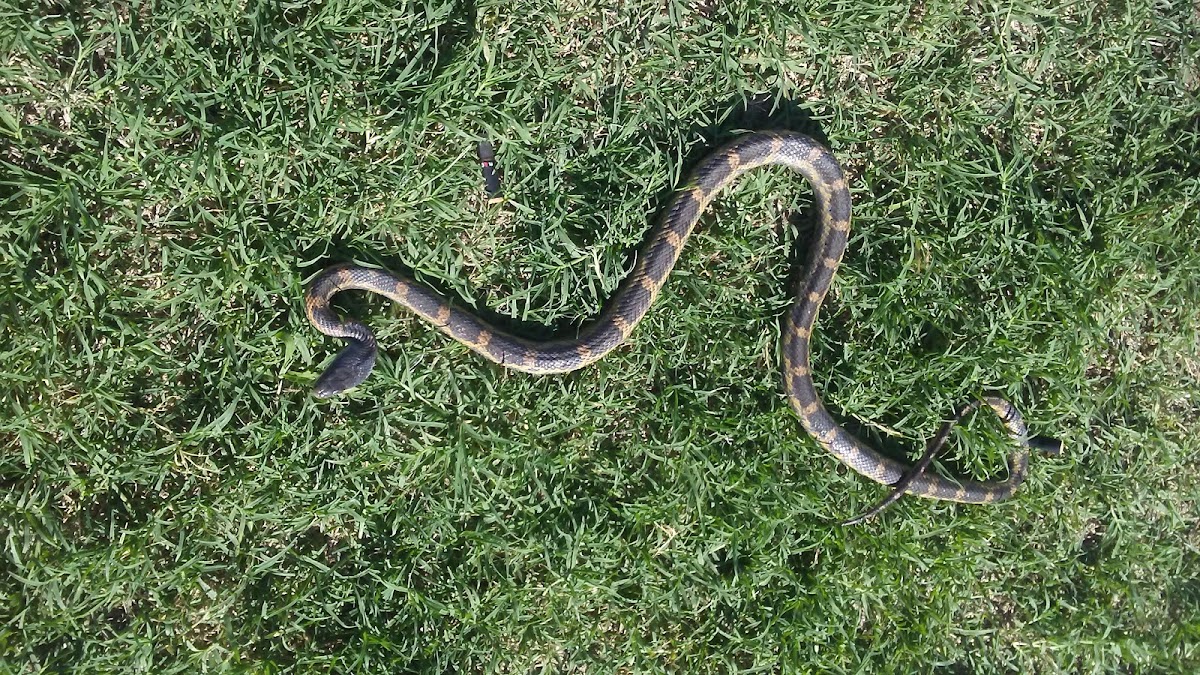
[{"x": 1026, "y": 183}]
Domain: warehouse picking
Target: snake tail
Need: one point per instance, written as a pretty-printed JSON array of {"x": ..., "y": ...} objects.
[{"x": 1015, "y": 426}]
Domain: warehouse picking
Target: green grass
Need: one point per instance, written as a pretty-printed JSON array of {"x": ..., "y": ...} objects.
[{"x": 1027, "y": 212}]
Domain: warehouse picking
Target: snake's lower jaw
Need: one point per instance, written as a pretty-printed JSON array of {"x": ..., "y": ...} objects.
[{"x": 347, "y": 371}]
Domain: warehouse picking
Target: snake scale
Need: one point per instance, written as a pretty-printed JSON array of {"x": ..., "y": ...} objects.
[{"x": 636, "y": 294}]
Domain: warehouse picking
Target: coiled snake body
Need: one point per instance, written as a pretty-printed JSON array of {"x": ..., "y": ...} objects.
[{"x": 635, "y": 295}]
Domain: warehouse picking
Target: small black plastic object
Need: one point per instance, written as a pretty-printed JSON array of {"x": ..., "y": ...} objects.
[{"x": 487, "y": 160}]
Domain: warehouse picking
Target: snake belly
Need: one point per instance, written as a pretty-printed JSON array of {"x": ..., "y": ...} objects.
[{"x": 637, "y": 292}]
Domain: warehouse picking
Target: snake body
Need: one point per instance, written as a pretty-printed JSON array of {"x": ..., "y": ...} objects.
[{"x": 637, "y": 292}]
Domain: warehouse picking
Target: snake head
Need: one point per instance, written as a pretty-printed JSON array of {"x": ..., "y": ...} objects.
[
  {"x": 1047, "y": 445},
  {"x": 347, "y": 371}
]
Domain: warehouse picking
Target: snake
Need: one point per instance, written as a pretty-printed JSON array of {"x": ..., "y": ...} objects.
[{"x": 637, "y": 292}]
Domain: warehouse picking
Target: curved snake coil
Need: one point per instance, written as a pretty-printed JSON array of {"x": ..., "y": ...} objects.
[{"x": 635, "y": 295}]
